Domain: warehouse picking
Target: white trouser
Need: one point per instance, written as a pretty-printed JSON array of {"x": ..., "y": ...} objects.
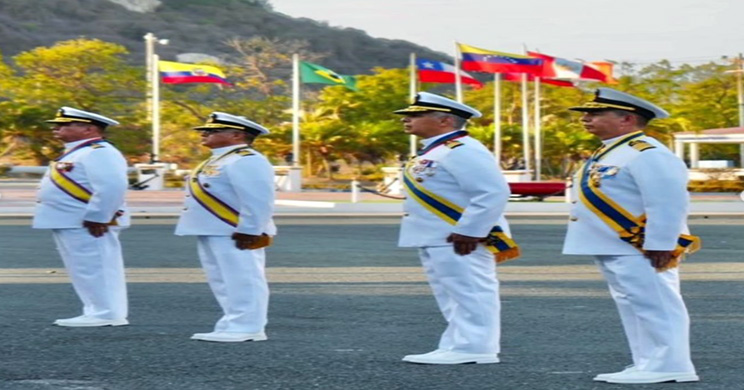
[
  {"x": 467, "y": 292},
  {"x": 652, "y": 312},
  {"x": 238, "y": 281},
  {"x": 96, "y": 268}
]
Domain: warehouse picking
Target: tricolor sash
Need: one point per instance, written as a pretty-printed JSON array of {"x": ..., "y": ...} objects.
[
  {"x": 69, "y": 186},
  {"x": 211, "y": 203},
  {"x": 630, "y": 228},
  {"x": 497, "y": 242}
]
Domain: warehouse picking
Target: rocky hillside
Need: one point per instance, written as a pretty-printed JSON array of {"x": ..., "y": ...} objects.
[{"x": 200, "y": 26}]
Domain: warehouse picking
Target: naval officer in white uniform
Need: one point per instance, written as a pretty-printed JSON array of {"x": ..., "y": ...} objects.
[
  {"x": 81, "y": 199},
  {"x": 229, "y": 206},
  {"x": 630, "y": 205},
  {"x": 456, "y": 194}
]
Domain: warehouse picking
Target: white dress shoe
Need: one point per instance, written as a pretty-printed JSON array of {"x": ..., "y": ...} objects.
[
  {"x": 639, "y": 376},
  {"x": 412, "y": 358},
  {"x": 451, "y": 357},
  {"x": 605, "y": 377},
  {"x": 229, "y": 337},
  {"x": 89, "y": 322}
]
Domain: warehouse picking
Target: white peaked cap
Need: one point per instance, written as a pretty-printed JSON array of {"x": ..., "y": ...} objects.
[
  {"x": 223, "y": 120},
  {"x": 611, "y": 99},
  {"x": 69, "y": 115},
  {"x": 429, "y": 102}
]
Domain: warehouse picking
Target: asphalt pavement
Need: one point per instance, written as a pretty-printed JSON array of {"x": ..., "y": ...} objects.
[{"x": 346, "y": 305}]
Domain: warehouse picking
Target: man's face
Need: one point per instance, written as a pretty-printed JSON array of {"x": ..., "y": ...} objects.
[
  {"x": 74, "y": 131},
  {"x": 605, "y": 124},
  {"x": 425, "y": 124},
  {"x": 219, "y": 138}
]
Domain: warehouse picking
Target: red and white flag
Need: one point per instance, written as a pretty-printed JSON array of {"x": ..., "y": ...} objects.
[
  {"x": 561, "y": 68},
  {"x": 430, "y": 71}
]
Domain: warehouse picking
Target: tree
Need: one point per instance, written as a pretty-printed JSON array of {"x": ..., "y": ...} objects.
[
  {"x": 363, "y": 121},
  {"x": 87, "y": 74},
  {"x": 259, "y": 71}
]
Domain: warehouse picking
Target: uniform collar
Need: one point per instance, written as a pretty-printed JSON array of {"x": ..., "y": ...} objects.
[
  {"x": 72, "y": 145},
  {"x": 225, "y": 149},
  {"x": 428, "y": 141},
  {"x": 611, "y": 141}
]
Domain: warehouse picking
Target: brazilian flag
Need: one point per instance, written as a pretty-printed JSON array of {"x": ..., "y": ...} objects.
[{"x": 313, "y": 73}]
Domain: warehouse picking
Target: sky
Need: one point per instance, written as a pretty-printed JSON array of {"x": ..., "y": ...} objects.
[{"x": 637, "y": 31}]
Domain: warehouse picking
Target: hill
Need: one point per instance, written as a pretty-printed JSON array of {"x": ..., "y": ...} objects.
[{"x": 192, "y": 26}]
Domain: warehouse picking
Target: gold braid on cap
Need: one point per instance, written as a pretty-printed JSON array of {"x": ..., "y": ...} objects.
[
  {"x": 221, "y": 125},
  {"x": 425, "y": 108},
  {"x": 606, "y": 105}
]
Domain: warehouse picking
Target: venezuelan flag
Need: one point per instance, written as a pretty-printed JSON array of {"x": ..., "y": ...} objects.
[
  {"x": 178, "y": 73},
  {"x": 488, "y": 61}
]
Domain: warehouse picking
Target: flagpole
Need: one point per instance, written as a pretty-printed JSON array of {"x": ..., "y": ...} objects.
[
  {"x": 155, "y": 108},
  {"x": 295, "y": 110},
  {"x": 458, "y": 80},
  {"x": 538, "y": 131},
  {"x": 412, "y": 95},
  {"x": 526, "y": 126},
  {"x": 497, "y": 117}
]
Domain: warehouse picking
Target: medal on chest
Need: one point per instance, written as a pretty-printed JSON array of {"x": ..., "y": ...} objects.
[
  {"x": 65, "y": 166},
  {"x": 598, "y": 172},
  {"x": 210, "y": 171},
  {"x": 423, "y": 168}
]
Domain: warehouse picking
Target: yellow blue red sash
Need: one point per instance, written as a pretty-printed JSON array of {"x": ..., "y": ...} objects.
[
  {"x": 630, "y": 228},
  {"x": 211, "y": 203},
  {"x": 69, "y": 186},
  {"x": 497, "y": 242}
]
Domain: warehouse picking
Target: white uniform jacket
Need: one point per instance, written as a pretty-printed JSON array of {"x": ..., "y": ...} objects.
[
  {"x": 652, "y": 181},
  {"x": 102, "y": 170},
  {"x": 245, "y": 183},
  {"x": 466, "y": 175}
]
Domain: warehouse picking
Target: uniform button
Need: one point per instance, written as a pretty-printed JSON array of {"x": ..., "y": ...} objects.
[
  {"x": 573, "y": 201},
  {"x": 573, "y": 219},
  {"x": 188, "y": 196},
  {"x": 185, "y": 208},
  {"x": 405, "y": 215},
  {"x": 206, "y": 185}
]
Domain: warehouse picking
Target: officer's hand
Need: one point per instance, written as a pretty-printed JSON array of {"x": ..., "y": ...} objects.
[
  {"x": 660, "y": 259},
  {"x": 464, "y": 245},
  {"x": 244, "y": 241},
  {"x": 96, "y": 229}
]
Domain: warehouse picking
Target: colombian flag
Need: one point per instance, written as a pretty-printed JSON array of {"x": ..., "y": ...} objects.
[
  {"x": 178, "y": 73},
  {"x": 488, "y": 61}
]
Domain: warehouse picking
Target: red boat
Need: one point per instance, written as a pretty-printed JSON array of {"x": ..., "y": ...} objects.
[{"x": 538, "y": 189}]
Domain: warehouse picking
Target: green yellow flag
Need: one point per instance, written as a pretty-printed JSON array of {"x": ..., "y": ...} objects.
[{"x": 312, "y": 73}]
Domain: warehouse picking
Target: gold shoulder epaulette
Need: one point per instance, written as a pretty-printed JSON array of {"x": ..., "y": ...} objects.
[
  {"x": 97, "y": 146},
  {"x": 641, "y": 145},
  {"x": 245, "y": 152},
  {"x": 453, "y": 144}
]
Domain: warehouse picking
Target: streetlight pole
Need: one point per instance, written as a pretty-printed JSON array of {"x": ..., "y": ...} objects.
[
  {"x": 740, "y": 98},
  {"x": 740, "y": 89},
  {"x": 149, "y": 52},
  {"x": 153, "y": 92},
  {"x": 739, "y": 65}
]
